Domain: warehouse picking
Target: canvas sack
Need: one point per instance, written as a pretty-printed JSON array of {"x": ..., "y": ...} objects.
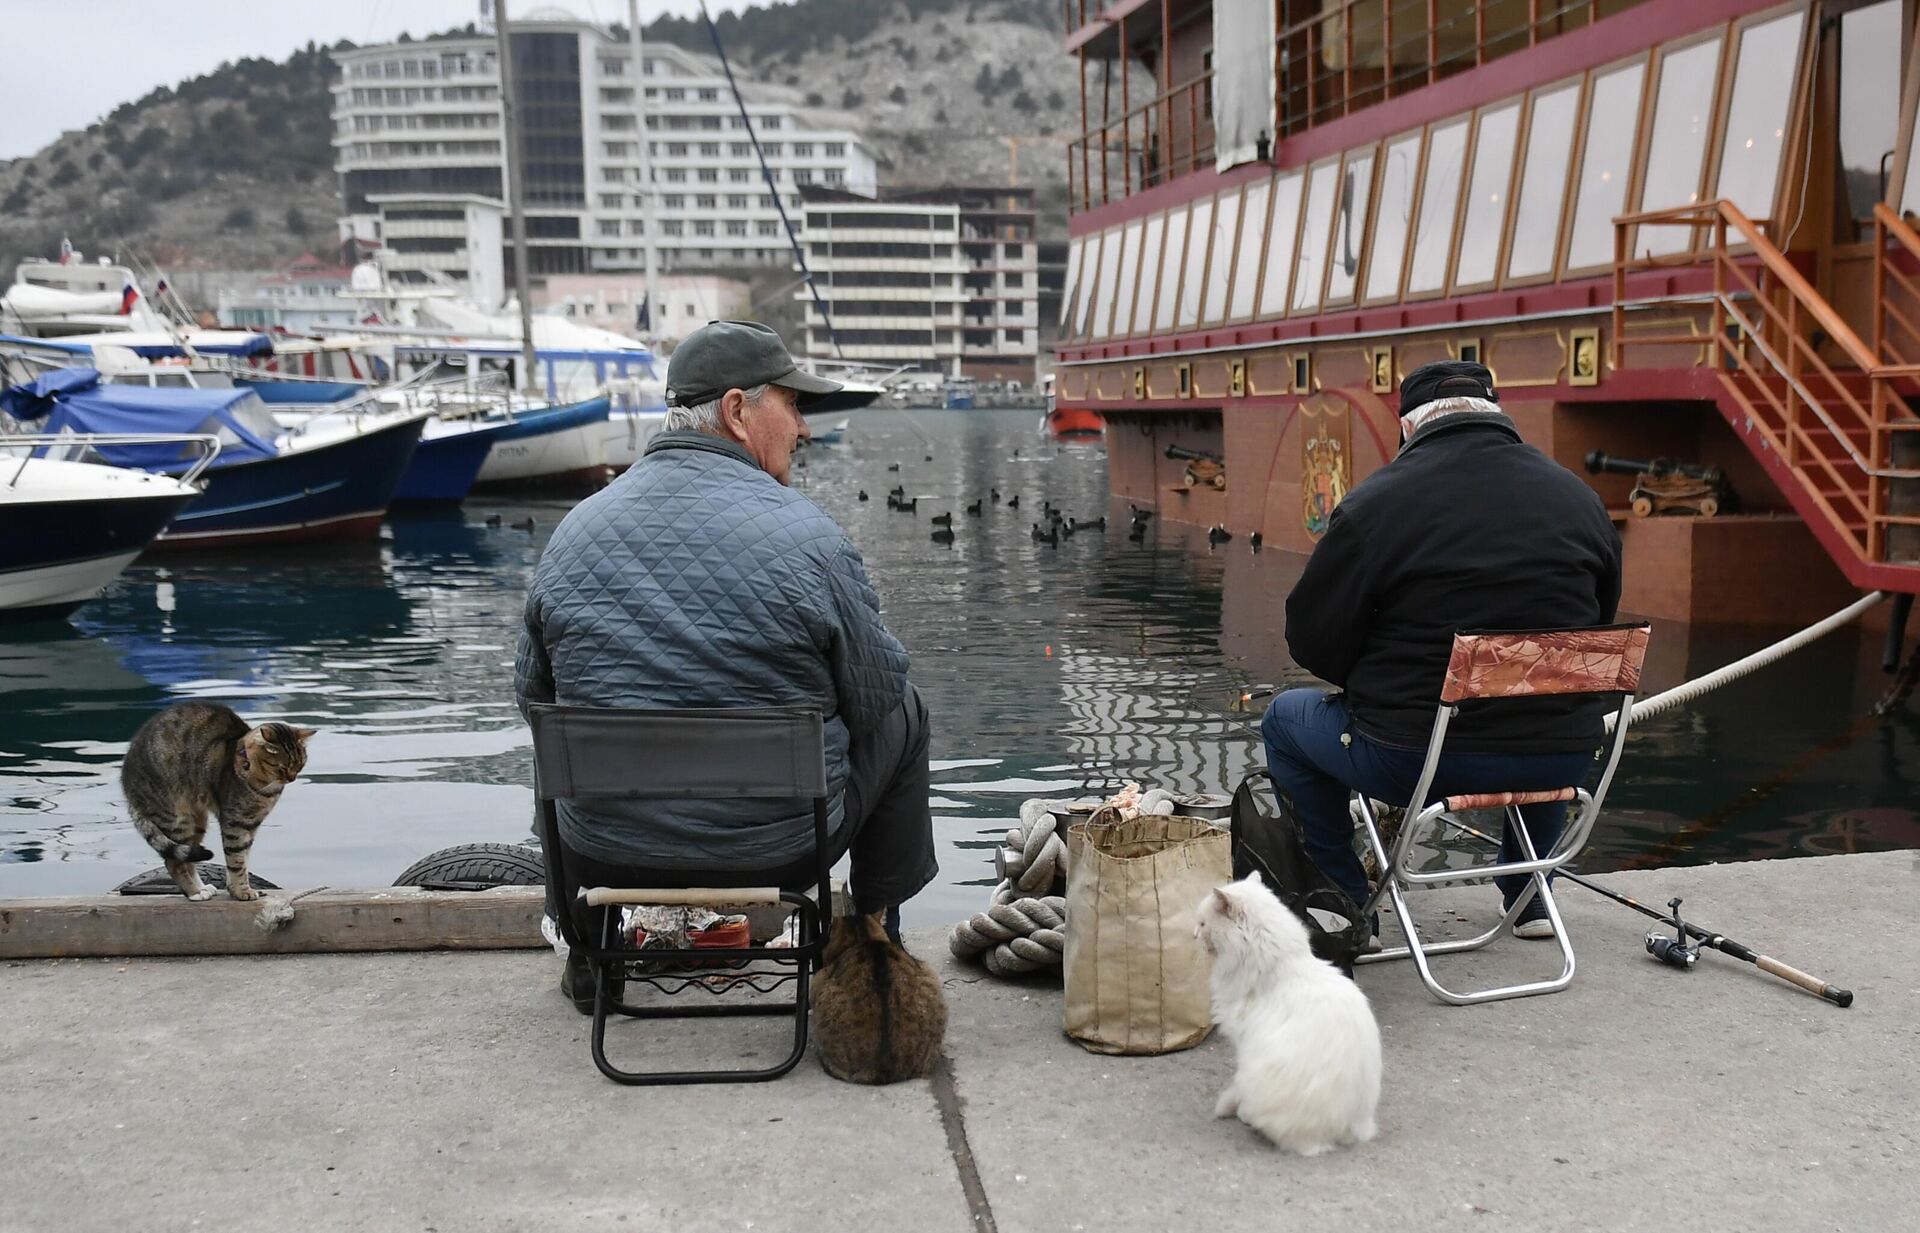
[{"x": 1136, "y": 977}]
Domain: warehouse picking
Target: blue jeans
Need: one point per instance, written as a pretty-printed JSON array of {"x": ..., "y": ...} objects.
[{"x": 1310, "y": 762}]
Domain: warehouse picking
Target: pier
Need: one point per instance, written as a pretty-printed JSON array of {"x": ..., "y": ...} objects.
[{"x": 444, "y": 1090}]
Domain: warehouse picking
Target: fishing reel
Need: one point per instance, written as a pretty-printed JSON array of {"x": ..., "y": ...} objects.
[{"x": 1673, "y": 951}]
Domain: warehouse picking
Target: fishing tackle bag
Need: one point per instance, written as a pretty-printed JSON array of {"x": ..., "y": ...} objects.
[{"x": 1266, "y": 840}]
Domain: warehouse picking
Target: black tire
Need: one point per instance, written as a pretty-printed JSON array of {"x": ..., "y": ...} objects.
[
  {"x": 476, "y": 866},
  {"x": 160, "y": 882}
]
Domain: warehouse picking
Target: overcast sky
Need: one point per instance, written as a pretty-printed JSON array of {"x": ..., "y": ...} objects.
[{"x": 66, "y": 63}]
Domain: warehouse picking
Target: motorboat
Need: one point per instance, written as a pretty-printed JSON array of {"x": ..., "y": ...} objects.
[
  {"x": 73, "y": 524},
  {"x": 268, "y": 483}
]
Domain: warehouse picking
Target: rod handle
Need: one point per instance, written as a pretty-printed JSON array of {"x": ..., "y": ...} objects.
[{"x": 1812, "y": 984}]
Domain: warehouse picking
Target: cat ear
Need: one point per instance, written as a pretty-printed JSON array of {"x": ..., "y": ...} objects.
[
  {"x": 303, "y": 734},
  {"x": 1224, "y": 903}
]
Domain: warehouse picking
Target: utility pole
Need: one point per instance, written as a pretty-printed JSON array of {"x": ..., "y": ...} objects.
[
  {"x": 516, "y": 199},
  {"x": 649, "y": 220}
]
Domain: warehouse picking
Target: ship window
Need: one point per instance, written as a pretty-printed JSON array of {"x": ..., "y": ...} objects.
[
  {"x": 1757, "y": 114},
  {"x": 1682, "y": 117},
  {"x": 1149, "y": 273},
  {"x": 1600, "y": 191},
  {"x": 1246, "y": 264},
  {"x": 1869, "y": 78},
  {"x": 1350, "y": 227},
  {"x": 1309, "y": 269},
  {"x": 1127, "y": 281},
  {"x": 1106, "y": 291},
  {"x": 1439, "y": 201},
  {"x": 1398, "y": 172},
  {"x": 1487, "y": 194},
  {"x": 1198, "y": 233},
  {"x": 1089, "y": 274},
  {"x": 1226, "y": 220},
  {"x": 1543, "y": 184},
  {"x": 1172, "y": 266},
  {"x": 1281, "y": 226}
]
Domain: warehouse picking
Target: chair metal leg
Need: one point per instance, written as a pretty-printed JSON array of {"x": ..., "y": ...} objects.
[
  {"x": 604, "y": 1004},
  {"x": 1421, "y": 952}
]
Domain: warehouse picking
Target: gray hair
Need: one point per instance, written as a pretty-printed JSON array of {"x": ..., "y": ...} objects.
[{"x": 705, "y": 417}]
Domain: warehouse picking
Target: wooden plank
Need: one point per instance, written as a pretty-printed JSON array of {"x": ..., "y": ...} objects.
[{"x": 321, "y": 920}]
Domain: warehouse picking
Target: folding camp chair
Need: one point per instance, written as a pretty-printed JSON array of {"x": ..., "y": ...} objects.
[
  {"x": 1506, "y": 665},
  {"x": 759, "y": 753}
]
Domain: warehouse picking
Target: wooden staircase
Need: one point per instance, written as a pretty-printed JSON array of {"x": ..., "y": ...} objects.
[{"x": 1831, "y": 419}]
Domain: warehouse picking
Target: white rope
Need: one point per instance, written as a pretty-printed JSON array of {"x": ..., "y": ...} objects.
[
  {"x": 1680, "y": 695},
  {"x": 1024, "y": 927}
]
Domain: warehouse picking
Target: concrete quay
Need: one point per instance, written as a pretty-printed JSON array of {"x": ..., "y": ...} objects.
[{"x": 453, "y": 1091}]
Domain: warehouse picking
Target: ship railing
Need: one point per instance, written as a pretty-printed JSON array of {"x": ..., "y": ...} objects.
[
  {"x": 1895, "y": 245},
  {"x": 85, "y": 447},
  {"x": 1833, "y": 421},
  {"x": 1167, "y": 136}
]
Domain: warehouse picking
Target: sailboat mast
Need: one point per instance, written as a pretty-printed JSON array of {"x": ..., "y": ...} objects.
[
  {"x": 516, "y": 199},
  {"x": 649, "y": 223}
]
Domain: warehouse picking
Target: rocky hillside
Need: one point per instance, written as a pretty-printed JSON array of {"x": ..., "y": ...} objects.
[{"x": 234, "y": 170}]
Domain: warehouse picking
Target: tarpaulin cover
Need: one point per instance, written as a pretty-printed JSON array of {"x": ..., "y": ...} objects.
[
  {"x": 302, "y": 393},
  {"x": 153, "y": 346},
  {"x": 74, "y": 400}
]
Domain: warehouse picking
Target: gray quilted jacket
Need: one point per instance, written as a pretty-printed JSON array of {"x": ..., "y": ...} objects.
[{"x": 698, "y": 580}]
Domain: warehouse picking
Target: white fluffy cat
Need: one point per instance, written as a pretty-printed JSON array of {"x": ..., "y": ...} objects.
[{"x": 1306, "y": 1047}]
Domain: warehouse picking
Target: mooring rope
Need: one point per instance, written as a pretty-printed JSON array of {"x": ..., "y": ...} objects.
[
  {"x": 1024, "y": 927},
  {"x": 1680, "y": 695}
]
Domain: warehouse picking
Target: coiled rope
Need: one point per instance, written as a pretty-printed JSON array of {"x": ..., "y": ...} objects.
[{"x": 1024, "y": 928}]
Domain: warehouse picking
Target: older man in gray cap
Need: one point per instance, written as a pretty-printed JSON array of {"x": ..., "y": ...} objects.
[
  {"x": 1469, "y": 527},
  {"x": 699, "y": 579}
]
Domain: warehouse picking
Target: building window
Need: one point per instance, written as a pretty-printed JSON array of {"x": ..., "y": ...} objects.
[
  {"x": 611, "y": 201},
  {"x": 675, "y": 175},
  {"x": 740, "y": 149},
  {"x": 614, "y": 175},
  {"x": 636, "y": 226},
  {"x": 613, "y": 68},
  {"x": 736, "y": 201},
  {"x": 709, "y": 95},
  {"x": 740, "y": 175},
  {"x": 771, "y": 149},
  {"x": 703, "y": 226},
  {"x": 836, "y": 149},
  {"x": 767, "y": 227},
  {"x": 737, "y": 227},
  {"x": 709, "y": 175},
  {"x": 705, "y": 201},
  {"x": 676, "y": 149},
  {"x": 769, "y": 123},
  {"x": 835, "y": 176},
  {"x": 676, "y": 95},
  {"x": 803, "y": 149},
  {"x": 609, "y": 227},
  {"x": 670, "y": 227},
  {"x": 709, "y": 149}
]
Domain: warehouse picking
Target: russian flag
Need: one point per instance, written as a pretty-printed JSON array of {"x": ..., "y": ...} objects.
[{"x": 127, "y": 296}]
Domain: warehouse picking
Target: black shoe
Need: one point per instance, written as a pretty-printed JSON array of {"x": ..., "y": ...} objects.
[
  {"x": 576, "y": 982},
  {"x": 1533, "y": 923}
]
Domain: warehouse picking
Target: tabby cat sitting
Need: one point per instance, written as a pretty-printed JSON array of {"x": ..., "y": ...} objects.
[
  {"x": 199, "y": 758},
  {"x": 879, "y": 1015}
]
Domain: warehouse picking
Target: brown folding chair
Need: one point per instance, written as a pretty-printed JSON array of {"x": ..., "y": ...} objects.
[
  {"x": 747, "y": 753},
  {"x": 1506, "y": 665}
]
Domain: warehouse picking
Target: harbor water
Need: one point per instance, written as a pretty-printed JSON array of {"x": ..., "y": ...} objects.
[{"x": 1048, "y": 671}]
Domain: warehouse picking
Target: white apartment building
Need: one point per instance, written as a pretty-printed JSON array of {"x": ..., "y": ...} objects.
[
  {"x": 944, "y": 279},
  {"x": 612, "y": 302},
  {"x": 424, "y": 118},
  {"x": 890, "y": 276}
]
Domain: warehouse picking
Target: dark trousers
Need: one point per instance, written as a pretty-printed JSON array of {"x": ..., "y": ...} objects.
[
  {"x": 1316, "y": 757},
  {"x": 887, "y": 826}
]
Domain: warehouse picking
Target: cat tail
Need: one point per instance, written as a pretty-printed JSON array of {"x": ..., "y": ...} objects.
[{"x": 184, "y": 853}]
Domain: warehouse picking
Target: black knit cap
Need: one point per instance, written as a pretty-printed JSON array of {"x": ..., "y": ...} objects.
[{"x": 1446, "y": 379}]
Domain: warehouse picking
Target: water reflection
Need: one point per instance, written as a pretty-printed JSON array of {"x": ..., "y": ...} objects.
[{"x": 1048, "y": 670}]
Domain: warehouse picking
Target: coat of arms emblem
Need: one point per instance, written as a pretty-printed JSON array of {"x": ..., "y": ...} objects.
[{"x": 1326, "y": 469}]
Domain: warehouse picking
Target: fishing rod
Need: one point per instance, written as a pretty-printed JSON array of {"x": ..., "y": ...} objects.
[{"x": 1674, "y": 951}]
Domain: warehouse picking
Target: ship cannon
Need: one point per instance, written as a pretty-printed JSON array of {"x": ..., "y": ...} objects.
[
  {"x": 1667, "y": 486},
  {"x": 1202, "y": 467}
]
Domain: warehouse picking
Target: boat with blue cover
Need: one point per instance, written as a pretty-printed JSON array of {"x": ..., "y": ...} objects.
[{"x": 268, "y": 484}]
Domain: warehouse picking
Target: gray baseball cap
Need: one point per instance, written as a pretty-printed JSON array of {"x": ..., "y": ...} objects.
[{"x": 737, "y": 355}]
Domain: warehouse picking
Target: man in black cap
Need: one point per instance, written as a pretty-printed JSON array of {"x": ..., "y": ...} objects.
[
  {"x": 1468, "y": 528},
  {"x": 699, "y": 579}
]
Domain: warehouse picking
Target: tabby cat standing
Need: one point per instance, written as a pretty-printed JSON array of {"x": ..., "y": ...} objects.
[{"x": 199, "y": 759}]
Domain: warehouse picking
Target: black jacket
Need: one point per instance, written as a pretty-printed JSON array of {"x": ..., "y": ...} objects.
[{"x": 1469, "y": 528}]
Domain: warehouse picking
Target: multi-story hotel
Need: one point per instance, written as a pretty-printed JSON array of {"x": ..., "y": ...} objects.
[
  {"x": 936, "y": 279},
  {"x": 424, "y": 118},
  {"x": 1672, "y": 228}
]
